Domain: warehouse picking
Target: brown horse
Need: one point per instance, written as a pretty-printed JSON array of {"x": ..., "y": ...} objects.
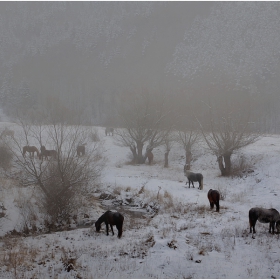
[
  {"x": 31, "y": 150},
  {"x": 7, "y": 132},
  {"x": 81, "y": 150},
  {"x": 150, "y": 156},
  {"x": 112, "y": 218},
  {"x": 214, "y": 198},
  {"x": 47, "y": 153}
]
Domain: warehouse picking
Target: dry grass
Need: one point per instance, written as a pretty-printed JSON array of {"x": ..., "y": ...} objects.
[
  {"x": 223, "y": 192},
  {"x": 239, "y": 197},
  {"x": 119, "y": 164},
  {"x": 117, "y": 190},
  {"x": 69, "y": 259},
  {"x": 241, "y": 167},
  {"x": 17, "y": 257}
]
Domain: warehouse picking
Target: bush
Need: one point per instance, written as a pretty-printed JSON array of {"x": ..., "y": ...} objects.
[
  {"x": 5, "y": 157},
  {"x": 223, "y": 193},
  {"x": 241, "y": 167},
  {"x": 94, "y": 136}
]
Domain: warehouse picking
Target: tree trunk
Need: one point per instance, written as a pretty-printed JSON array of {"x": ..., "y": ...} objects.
[
  {"x": 133, "y": 150},
  {"x": 140, "y": 158},
  {"x": 188, "y": 159},
  {"x": 166, "y": 158},
  {"x": 224, "y": 162},
  {"x": 227, "y": 161}
]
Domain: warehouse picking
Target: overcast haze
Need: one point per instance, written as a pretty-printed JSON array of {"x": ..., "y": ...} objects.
[
  {"x": 88, "y": 53},
  {"x": 119, "y": 106}
]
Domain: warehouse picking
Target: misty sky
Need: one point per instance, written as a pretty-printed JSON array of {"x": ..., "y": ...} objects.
[{"x": 87, "y": 53}]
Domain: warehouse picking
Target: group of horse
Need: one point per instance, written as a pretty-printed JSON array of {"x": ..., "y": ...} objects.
[
  {"x": 49, "y": 153},
  {"x": 262, "y": 215}
]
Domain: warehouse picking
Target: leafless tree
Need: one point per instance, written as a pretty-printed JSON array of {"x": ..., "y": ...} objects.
[
  {"x": 143, "y": 119},
  {"x": 228, "y": 131},
  {"x": 62, "y": 180},
  {"x": 187, "y": 139}
]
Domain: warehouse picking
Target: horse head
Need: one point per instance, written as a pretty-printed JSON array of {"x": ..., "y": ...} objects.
[{"x": 97, "y": 226}]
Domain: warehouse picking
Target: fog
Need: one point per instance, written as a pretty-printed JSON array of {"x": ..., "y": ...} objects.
[{"x": 82, "y": 56}]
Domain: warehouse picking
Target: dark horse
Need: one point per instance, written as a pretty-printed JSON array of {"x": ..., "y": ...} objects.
[
  {"x": 81, "y": 150},
  {"x": 214, "y": 198},
  {"x": 112, "y": 218},
  {"x": 263, "y": 215},
  {"x": 47, "y": 153},
  {"x": 193, "y": 177},
  {"x": 109, "y": 130},
  {"x": 31, "y": 150}
]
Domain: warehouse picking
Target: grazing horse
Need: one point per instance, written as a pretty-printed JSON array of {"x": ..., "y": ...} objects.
[
  {"x": 81, "y": 150},
  {"x": 214, "y": 198},
  {"x": 7, "y": 132},
  {"x": 109, "y": 130},
  {"x": 47, "y": 153},
  {"x": 263, "y": 215},
  {"x": 193, "y": 177},
  {"x": 31, "y": 150},
  {"x": 150, "y": 156},
  {"x": 112, "y": 218}
]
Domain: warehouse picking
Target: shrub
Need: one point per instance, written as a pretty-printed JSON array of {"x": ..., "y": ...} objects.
[
  {"x": 240, "y": 167},
  {"x": 223, "y": 193},
  {"x": 94, "y": 136},
  {"x": 5, "y": 157}
]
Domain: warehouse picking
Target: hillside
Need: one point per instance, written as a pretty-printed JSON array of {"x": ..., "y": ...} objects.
[{"x": 169, "y": 229}]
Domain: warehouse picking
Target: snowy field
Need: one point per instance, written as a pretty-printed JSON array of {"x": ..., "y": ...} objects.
[{"x": 169, "y": 229}]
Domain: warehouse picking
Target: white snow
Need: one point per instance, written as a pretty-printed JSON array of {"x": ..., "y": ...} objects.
[{"x": 184, "y": 239}]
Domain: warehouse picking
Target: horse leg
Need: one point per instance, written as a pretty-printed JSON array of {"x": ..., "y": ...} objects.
[
  {"x": 271, "y": 226},
  {"x": 107, "y": 229},
  {"x": 217, "y": 206},
  {"x": 119, "y": 227},
  {"x": 211, "y": 205},
  {"x": 253, "y": 225},
  {"x": 112, "y": 229}
]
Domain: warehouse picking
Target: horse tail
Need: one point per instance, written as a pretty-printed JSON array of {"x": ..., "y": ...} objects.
[{"x": 120, "y": 226}]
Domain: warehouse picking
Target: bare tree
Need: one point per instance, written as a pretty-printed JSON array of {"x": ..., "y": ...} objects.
[
  {"x": 188, "y": 139},
  {"x": 229, "y": 131},
  {"x": 143, "y": 117},
  {"x": 62, "y": 180}
]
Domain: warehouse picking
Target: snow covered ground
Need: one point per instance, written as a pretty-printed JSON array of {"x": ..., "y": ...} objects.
[{"x": 169, "y": 229}]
